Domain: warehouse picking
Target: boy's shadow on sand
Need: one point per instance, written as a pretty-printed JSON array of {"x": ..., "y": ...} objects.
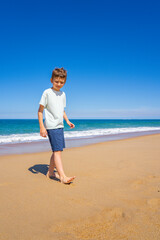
[{"x": 41, "y": 168}]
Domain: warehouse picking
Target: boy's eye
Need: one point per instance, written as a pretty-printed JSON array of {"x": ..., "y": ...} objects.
[{"x": 58, "y": 82}]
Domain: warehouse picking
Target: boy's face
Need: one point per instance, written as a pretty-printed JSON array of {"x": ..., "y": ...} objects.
[{"x": 58, "y": 83}]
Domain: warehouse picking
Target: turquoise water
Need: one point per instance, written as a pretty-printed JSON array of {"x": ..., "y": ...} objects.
[{"x": 23, "y": 130}]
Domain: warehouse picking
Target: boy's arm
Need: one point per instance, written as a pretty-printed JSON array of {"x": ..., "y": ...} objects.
[
  {"x": 65, "y": 117},
  {"x": 43, "y": 131},
  {"x": 67, "y": 120}
]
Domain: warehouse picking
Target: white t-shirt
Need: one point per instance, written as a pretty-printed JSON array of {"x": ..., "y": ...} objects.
[{"x": 54, "y": 103}]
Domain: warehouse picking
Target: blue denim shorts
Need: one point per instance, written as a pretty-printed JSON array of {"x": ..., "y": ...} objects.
[{"x": 56, "y": 139}]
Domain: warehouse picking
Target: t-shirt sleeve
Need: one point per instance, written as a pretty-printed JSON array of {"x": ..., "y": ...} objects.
[
  {"x": 43, "y": 100},
  {"x": 64, "y": 100}
]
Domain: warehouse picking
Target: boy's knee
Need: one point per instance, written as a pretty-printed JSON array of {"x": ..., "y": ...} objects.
[{"x": 56, "y": 152}]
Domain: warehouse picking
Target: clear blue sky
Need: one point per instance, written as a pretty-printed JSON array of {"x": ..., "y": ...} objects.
[{"x": 110, "y": 49}]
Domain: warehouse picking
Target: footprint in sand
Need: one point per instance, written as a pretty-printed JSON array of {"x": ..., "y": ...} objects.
[
  {"x": 117, "y": 213},
  {"x": 92, "y": 224},
  {"x": 138, "y": 183},
  {"x": 113, "y": 214},
  {"x": 148, "y": 180},
  {"x": 154, "y": 202}
]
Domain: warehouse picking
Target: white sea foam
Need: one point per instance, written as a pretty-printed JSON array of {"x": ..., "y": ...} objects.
[
  {"x": 107, "y": 131},
  {"x": 31, "y": 137}
]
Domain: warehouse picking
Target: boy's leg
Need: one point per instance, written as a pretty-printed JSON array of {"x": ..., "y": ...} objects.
[
  {"x": 58, "y": 163},
  {"x": 52, "y": 165},
  {"x": 59, "y": 167}
]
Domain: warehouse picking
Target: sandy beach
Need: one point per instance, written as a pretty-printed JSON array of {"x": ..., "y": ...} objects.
[{"x": 116, "y": 193}]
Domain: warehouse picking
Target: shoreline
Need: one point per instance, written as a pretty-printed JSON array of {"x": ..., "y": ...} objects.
[
  {"x": 44, "y": 145},
  {"x": 116, "y": 193}
]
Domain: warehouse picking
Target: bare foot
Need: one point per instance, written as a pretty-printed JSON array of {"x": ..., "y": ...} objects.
[
  {"x": 67, "y": 180},
  {"x": 52, "y": 176}
]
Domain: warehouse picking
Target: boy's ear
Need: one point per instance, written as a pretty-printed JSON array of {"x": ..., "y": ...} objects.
[{"x": 51, "y": 80}]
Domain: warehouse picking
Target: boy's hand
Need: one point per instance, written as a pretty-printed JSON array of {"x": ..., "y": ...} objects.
[
  {"x": 43, "y": 132},
  {"x": 70, "y": 124}
]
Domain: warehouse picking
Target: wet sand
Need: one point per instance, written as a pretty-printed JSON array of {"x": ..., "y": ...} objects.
[
  {"x": 44, "y": 145},
  {"x": 116, "y": 193}
]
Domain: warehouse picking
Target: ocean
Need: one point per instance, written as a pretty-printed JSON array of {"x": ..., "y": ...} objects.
[{"x": 27, "y": 130}]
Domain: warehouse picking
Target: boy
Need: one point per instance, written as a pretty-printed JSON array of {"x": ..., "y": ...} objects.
[{"x": 53, "y": 101}]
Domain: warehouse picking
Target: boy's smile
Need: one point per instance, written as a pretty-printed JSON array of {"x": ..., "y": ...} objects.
[{"x": 58, "y": 83}]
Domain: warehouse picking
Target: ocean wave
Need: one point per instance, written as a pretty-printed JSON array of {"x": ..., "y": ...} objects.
[{"x": 31, "y": 137}]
